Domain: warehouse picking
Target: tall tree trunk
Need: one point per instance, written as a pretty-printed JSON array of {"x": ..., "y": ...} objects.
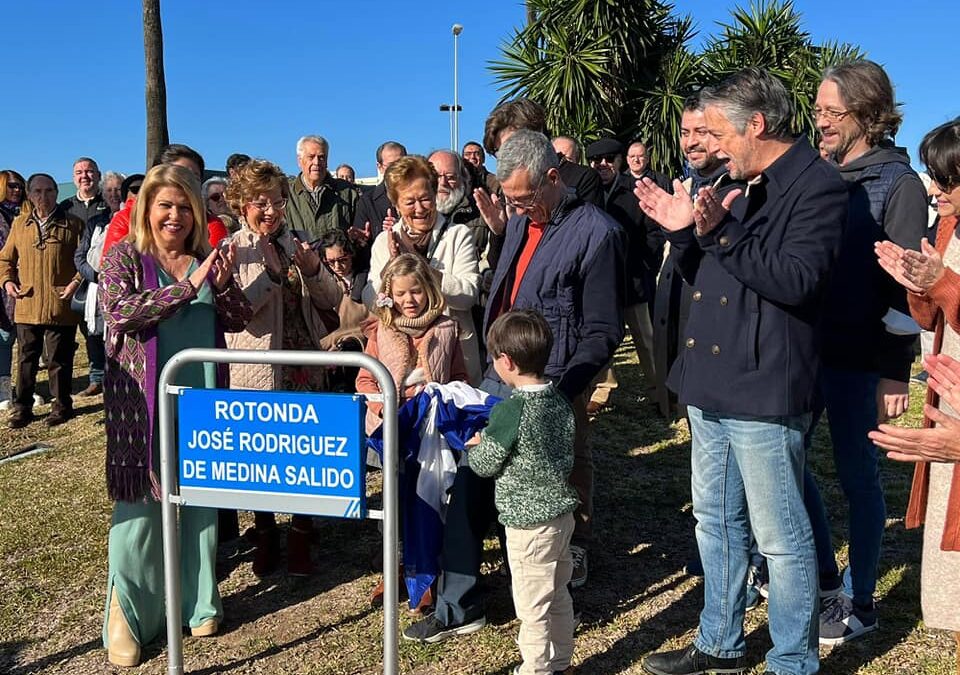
[{"x": 156, "y": 87}]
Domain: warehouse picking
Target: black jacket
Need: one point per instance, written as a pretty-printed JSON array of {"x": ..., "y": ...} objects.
[
  {"x": 887, "y": 201},
  {"x": 372, "y": 208},
  {"x": 75, "y": 207},
  {"x": 645, "y": 239},
  {"x": 751, "y": 341}
]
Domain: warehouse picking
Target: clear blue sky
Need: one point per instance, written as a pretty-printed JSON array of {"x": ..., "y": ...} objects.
[{"x": 254, "y": 76}]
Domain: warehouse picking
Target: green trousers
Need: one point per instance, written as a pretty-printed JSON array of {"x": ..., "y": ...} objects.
[{"x": 135, "y": 553}]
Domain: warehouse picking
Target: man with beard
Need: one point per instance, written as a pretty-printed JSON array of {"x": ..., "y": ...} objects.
[
  {"x": 644, "y": 252},
  {"x": 758, "y": 259},
  {"x": 869, "y": 338},
  {"x": 672, "y": 303},
  {"x": 457, "y": 205}
]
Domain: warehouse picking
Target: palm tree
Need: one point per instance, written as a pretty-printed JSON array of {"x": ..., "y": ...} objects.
[
  {"x": 602, "y": 67},
  {"x": 156, "y": 88}
]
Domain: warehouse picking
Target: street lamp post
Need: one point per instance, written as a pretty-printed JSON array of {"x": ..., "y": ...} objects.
[{"x": 455, "y": 112}]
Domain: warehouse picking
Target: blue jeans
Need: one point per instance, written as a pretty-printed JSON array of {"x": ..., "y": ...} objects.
[
  {"x": 748, "y": 476},
  {"x": 849, "y": 398},
  {"x": 7, "y": 338},
  {"x": 96, "y": 354}
]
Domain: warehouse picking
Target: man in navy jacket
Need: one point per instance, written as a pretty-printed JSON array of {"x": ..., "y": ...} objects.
[
  {"x": 758, "y": 263},
  {"x": 564, "y": 259}
]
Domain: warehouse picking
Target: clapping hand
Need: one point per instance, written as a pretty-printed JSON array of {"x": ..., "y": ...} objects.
[
  {"x": 923, "y": 268},
  {"x": 491, "y": 210},
  {"x": 359, "y": 236},
  {"x": 916, "y": 271},
  {"x": 393, "y": 245},
  {"x": 708, "y": 211},
  {"x": 306, "y": 258},
  {"x": 940, "y": 443},
  {"x": 222, "y": 267},
  {"x": 270, "y": 257},
  {"x": 673, "y": 212}
]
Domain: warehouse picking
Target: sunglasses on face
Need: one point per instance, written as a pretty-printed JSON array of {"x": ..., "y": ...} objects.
[
  {"x": 14, "y": 186},
  {"x": 945, "y": 183},
  {"x": 609, "y": 159},
  {"x": 215, "y": 196},
  {"x": 133, "y": 189}
]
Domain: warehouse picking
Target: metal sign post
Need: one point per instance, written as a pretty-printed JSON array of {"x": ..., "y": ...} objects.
[{"x": 276, "y": 475}]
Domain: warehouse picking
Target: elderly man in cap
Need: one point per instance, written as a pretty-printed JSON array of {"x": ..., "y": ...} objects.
[{"x": 644, "y": 251}]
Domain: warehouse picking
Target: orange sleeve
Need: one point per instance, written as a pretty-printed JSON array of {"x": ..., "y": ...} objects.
[
  {"x": 216, "y": 230},
  {"x": 943, "y": 296}
]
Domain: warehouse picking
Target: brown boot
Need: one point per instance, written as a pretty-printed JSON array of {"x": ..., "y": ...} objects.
[
  {"x": 122, "y": 648},
  {"x": 266, "y": 555},
  {"x": 376, "y": 597},
  {"x": 298, "y": 552}
]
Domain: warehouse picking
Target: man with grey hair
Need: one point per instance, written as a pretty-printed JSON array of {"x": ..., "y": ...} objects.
[
  {"x": 454, "y": 200},
  {"x": 758, "y": 260},
  {"x": 567, "y": 148},
  {"x": 564, "y": 259},
  {"x": 318, "y": 202}
]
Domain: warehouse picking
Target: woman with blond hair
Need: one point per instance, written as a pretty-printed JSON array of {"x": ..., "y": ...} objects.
[{"x": 161, "y": 290}]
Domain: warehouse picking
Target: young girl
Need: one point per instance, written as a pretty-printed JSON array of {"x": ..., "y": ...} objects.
[{"x": 412, "y": 338}]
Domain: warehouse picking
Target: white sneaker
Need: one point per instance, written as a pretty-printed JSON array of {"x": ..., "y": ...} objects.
[{"x": 38, "y": 400}]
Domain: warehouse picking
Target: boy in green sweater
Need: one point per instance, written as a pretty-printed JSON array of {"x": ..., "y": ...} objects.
[{"x": 528, "y": 446}]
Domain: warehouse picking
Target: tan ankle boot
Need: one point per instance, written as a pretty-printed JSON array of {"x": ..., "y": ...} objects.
[{"x": 122, "y": 647}]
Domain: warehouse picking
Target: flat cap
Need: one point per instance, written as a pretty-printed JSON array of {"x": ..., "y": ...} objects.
[{"x": 604, "y": 146}]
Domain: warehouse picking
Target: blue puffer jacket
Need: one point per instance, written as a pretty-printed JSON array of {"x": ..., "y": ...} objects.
[{"x": 576, "y": 280}]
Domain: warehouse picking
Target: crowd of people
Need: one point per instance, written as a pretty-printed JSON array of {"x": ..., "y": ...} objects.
[{"x": 768, "y": 284}]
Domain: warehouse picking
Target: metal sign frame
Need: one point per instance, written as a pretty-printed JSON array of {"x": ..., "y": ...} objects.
[{"x": 171, "y": 498}]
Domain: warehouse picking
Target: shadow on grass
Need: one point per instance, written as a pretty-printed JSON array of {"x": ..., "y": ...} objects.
[
  {"x": 333, "y": 567},
  {"x": 278, "y": 649},
  {"x": 10, "y": 649}
]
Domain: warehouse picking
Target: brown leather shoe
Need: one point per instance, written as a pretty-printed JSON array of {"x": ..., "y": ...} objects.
[
  {"x": 593, "y": 407},
  {"x": 58, "y": 417},
  {"x": 376, "y": 597},
  {"x": 95, "y": 389},
  {"x": 19, "y": 420}
]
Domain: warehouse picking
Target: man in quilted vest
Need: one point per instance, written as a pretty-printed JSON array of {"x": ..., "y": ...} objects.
[{"x": 869, "y": 337}]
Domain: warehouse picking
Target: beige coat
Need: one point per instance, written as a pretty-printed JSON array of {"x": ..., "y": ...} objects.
[
  {"x": 265, "y": 330},
  {"x": 42, "y": 273}
]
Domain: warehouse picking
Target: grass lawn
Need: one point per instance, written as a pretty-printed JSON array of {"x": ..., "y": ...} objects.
[{"x": 54, "y": 518}]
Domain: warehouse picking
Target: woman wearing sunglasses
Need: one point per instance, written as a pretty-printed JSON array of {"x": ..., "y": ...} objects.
[
  {"x": 932, "y": 279},
  {"x": 12, "y": 191},
  {"x": 214, "y": 193}
]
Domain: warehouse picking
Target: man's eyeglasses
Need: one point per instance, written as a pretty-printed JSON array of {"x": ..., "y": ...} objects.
[
  {"x": 830, "y": 115},
  {"x": 945, "y": 183},
  {"x": 342, "y": 260},
  {"x": 529, "y": 202},
  {"x": 447, "y": 177},
  {"x": 263, "y": 206}
]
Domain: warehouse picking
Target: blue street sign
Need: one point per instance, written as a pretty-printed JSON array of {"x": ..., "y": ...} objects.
[{"x": 272, "y": 451}]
